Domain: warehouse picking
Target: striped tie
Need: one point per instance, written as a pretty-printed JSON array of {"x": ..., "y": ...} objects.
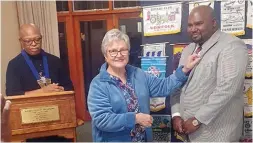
[{"x": 198, "y": 50}]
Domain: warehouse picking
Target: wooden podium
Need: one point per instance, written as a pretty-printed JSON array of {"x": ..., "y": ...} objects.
[{"x": 41, "y": 115}]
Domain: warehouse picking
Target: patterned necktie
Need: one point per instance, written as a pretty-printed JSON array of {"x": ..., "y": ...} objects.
[{"x": 198, "y": 49}]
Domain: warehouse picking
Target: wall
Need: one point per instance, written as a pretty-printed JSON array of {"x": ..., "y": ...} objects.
[
  {"x": 182, "y": 37},
  {"x": 10, "y": 46}
]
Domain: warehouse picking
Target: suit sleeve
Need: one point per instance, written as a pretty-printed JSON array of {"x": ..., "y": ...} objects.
[
  {"x": 101, "y": 110},
  {"x": 175, "y": 97},
  {"x": 13, "y": 81},
  {"x": 231, "y": 69}
]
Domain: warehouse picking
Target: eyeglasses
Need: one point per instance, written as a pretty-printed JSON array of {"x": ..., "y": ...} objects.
[
  {"x": 29, "y": 42},
  {"x": 114, "y": 53}
]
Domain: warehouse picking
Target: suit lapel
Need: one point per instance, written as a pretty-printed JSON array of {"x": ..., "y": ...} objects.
[
  {"x": 205, "y": 48},
  {"x": 210, "y": 43}
]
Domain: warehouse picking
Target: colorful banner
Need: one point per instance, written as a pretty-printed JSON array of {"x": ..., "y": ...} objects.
[
  {"x": 198, "y": 3},
  {"x": 161, "y": 128},
  {"x": 249, "y": 14},
  {"x": 155, "y": 66},
  {"x": 233, "y": 17},
  {"x": 177, "y": 51},
  {"x": 162, "y": 19},
  {"x": 247, "y": 98},
  {"x": 248, "y": 43},
  {"x": 154, "y": 50},
  {"x": 247, "y": 132},
  {"x": 247, "y": 90}
]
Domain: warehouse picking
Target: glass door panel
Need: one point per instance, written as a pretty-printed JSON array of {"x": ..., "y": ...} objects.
[
  {"x": 92, "y": 33},
  {"x": 133, "y": 28}
]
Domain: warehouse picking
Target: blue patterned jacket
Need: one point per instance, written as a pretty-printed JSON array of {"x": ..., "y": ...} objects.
[{"x": 111, "y": 122}]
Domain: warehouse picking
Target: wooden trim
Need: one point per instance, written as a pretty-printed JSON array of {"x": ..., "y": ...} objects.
[
  {"x": 128, "y": 15},
  {"x": 115, "y": 21},
  {"x": 99, "y": 12},
  {"x": 74, "y": 72},
  {"x": 70, "y": 5},
  {"x": 79, "y": 65},
  {"x": 110, "y": 5},
  {"x": 110, "y": 25},
  {"x": 39, "y": 95},
  {"x": 61, "y": 19},
  {"x": 92, "y": 17},
  {"x": 62, "y": 14}
]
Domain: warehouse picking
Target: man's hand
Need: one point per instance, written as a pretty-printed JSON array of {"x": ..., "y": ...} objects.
[
  {"x": 52, "y": 88},
  {"x": 188, "y": 126},
  {"x": 144, "y": 120},
  {"x": 192, "y": 60},
  {"x": 5, "y": 114},
  {"x": 177, "y": 122}
]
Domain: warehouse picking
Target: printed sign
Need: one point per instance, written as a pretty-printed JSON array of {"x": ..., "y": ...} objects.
[
  {"x": 233, "y": 16},
  {"x": 154, "y": 50},
  {"x": 249, "y": 14},
  {"x": 162, "y": 19}
]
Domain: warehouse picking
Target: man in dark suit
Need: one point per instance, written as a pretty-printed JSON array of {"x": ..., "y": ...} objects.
[{"x": 33, "y": 70}]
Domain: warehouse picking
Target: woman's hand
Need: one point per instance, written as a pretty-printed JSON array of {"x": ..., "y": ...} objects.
[
  {"x": 192, "y": 60},
  {"x": 144, "y": 120}
]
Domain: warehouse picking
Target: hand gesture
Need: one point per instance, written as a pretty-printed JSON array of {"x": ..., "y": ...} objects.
[
  {"x": 52, "y": 88},
  {"x": 144, "y": 120},
  {"x": 177, "y": 123},
  {"x": 192, "y": 60}
]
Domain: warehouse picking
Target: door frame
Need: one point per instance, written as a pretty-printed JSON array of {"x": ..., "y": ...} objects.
[
  {"x": 78, "y": 50},
  {"x": 72, "y": 19}
]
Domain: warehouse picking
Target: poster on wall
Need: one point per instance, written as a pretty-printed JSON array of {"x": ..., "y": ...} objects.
[
  {"x": 233, "y": 17},
  {"x": 154, "y": 50},
  {"x": 161, "y": 128},
  {"x": 162, "y": 19},
  {"x": 198, "y": 3},
  {"x": 247, "y": 97},
  {"x": 247, "y": 90},
  {"x": 248, "y": 43},
  {"x": 177, "y": 51},
  {"x": 155, "y": 66},
  {"x": 249, "y": 14}
]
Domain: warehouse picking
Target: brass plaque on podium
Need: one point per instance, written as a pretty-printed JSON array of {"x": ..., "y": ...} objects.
[{"x": 40, "y": 114}]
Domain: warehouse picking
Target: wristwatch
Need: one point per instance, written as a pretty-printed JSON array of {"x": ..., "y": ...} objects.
[{"x": 195, "y": 122}]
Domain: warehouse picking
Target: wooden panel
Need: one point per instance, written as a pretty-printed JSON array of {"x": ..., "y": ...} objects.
[
  {"x": 66, "y": 111},
  {"x": 99, "y": 12},
  {"x": 65, "y": 103},
  {"x": 69, "y": 133},
  {"x": 128, "y": 15},
  {"x": 65, "y": 126},
  {"x": 79, "y": 63},
  {"x": 74, "y": 72}
]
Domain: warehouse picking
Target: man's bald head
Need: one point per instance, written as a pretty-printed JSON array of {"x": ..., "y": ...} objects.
[
  {"x": 30, "y": 38},
  {"x": 28, "y": 29},
  {"x": 204, "y": 10},
  {"x": 201, "y": 24}
]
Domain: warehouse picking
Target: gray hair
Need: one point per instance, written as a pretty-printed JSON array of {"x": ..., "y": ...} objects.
[{"x": 114, "y": 35}]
